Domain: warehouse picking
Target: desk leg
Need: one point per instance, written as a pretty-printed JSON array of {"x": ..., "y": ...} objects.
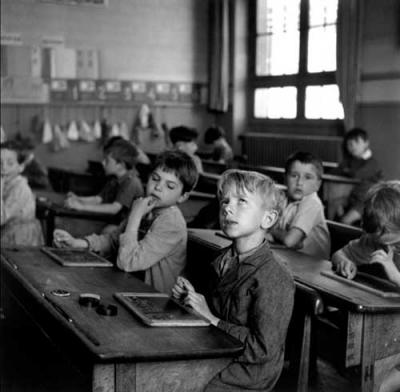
[
  {"x": 169, "y": 376},
  {"x": 50, "y": 224},
  {"x": 368, "y": 354}
]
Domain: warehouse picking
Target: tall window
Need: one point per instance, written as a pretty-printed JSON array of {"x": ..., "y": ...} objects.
[{"x": 295, "y": 60}]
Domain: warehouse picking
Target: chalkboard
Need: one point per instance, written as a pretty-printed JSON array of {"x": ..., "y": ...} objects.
[
  {"x": 160, "y": 310},
  {"x": 369, "y": 283},
  {"x": 76, "y": 257}
]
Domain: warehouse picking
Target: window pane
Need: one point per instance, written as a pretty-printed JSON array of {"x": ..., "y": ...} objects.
[
  {"x": 322, "y": 12},
  {"x": 278, "y": 40},
  {"x": 277, "y": 15},
  {"x": 275, "y": 102},
  {"x": 323, "y": 102},
  {"x": 277, "y": 54},
  {"x": 322, "y": 49}
]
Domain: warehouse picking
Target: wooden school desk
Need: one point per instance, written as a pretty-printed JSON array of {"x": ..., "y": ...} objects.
[
  {"x": 50, "y": 206},
  {"x": 120, "y": 352},
  {"x": 373, "y": 323}
]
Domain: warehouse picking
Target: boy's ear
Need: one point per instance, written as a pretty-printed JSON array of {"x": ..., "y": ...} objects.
[
  {"x": 183, "y": 197},
  {"x": 269, "y": 219}
]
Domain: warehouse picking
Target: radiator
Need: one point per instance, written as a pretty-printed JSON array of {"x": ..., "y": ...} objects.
[{"x": 273, "y": 149}]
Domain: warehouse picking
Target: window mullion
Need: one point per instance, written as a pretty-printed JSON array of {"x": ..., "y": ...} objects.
[{"x": 304, "y": 8}]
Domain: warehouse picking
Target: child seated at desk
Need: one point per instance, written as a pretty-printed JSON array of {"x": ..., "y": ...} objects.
[
  {"x": 302, "y": 225},
  {"x": 251, "y": 294},
  {"x": 380, "y": 244},
  {"x": 19, "y": 226},
  {"x": 161, "y": 253},
  {"x": 184, "y": 139},
  {"x": 34, "y": 171},
  {"x": 222, "y": 151},
  {"x": 123, "y": 186},
  {"x": 381, "y": 241},
  {"x": 358, "y": 163}
]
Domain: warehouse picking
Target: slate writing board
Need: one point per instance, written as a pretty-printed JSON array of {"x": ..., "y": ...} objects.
[
  {"x": 160, "y": 310},
  {"x": 76, "y": 257}
]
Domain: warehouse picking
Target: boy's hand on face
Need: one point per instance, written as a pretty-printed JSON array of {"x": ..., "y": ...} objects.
[
  {"x": 143, "y": 205},
  {"x": 386, "y": 260}
]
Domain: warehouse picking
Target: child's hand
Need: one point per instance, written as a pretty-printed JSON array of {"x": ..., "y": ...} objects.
[
  {"x": 73, "y": 203},
  {"x": 143, "y": 205},
  {"x": 181, "y": 288},
  {"x": 62, "y": 239},
  {"x": 386, "y": 260},
  {"x": 346, "y": 268},
  {"x": 71, "y": 195}
]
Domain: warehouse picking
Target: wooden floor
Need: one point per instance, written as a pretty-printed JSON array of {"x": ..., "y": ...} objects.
[{"x": 30, "y": 363}]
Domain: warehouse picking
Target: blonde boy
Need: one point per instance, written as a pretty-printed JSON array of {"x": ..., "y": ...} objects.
[
  {"x": 251, "y": 293},
  {"x": 161, "y": 253}
]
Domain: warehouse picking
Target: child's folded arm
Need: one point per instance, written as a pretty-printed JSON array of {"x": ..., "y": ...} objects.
[{"x": 107, "y": 208}]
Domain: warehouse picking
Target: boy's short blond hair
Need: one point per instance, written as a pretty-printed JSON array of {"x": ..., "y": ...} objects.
[{"x": 253, "y": 182}]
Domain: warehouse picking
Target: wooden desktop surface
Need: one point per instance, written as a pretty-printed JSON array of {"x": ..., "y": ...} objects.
[
  {"x": 371, "y": 338},
  {"x": 307, "y": 270},
  {"x": 31, "y": 275}
]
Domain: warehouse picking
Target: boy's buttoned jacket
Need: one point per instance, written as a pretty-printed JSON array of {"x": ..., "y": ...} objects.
[{"x": 254, "y": 300}]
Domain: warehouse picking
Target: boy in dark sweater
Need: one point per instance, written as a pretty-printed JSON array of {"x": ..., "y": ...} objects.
[
  {"x": 358, "y": 163},
  {"x": 252, "y": 294}
]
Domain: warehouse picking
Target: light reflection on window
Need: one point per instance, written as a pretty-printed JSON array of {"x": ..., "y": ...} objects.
[
  {"x": 275, "y": 102},
  {"x": 322, "y": 102}
]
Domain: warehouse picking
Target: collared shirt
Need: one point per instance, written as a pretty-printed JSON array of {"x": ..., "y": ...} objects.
[
  {"x": 308, "y": 216},
  {"x": 232, "y": 258}
]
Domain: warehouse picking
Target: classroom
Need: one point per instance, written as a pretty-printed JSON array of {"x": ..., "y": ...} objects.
[{"x": 200, "y": 195}]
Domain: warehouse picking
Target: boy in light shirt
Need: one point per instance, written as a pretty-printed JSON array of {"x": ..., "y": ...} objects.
[
  {"x": 161, "y": 251},
  {"x": 302, "y": 225}
]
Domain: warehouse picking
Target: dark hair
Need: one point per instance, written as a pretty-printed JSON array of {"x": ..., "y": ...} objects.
[
  {"x": 181, "y": 164},
  {"x": 213, "y": 133},
  {"x": 26, "y": 142},
  {"x": 381, "y": 212},
  {"x": 14, "y": 145},
  {"x": 183, "y": 134},
  {"x": 110, "y": 141},
  {"x": 123, "y": 152},
  {"x": 355, "y": 133},
  {"x": 305, "y": 157}
]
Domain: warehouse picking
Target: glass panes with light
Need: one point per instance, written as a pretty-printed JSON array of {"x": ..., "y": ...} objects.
[
  {"x": 322, "y": 102},
  {"x": 278, "y": 38},
  {"x": 275, "y": 102},
  {"x": 322, "y": 36}
]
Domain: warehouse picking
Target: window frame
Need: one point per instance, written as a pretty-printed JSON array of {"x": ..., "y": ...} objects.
[{"x": 326, "y": 127}]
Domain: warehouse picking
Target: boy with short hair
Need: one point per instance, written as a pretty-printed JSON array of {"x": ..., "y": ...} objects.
[
  {"x": 358, "y": 163},
  {"x": 251, "y": 295},
  {"x": 380, "y": 242},
  {"x": 185, "y": 139},
  {"x": 123, "y": 186},
  {"x": 302, "y": 225},
  {"x": 161, "y": 253},
  {"x": 222, "y": 151}
]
